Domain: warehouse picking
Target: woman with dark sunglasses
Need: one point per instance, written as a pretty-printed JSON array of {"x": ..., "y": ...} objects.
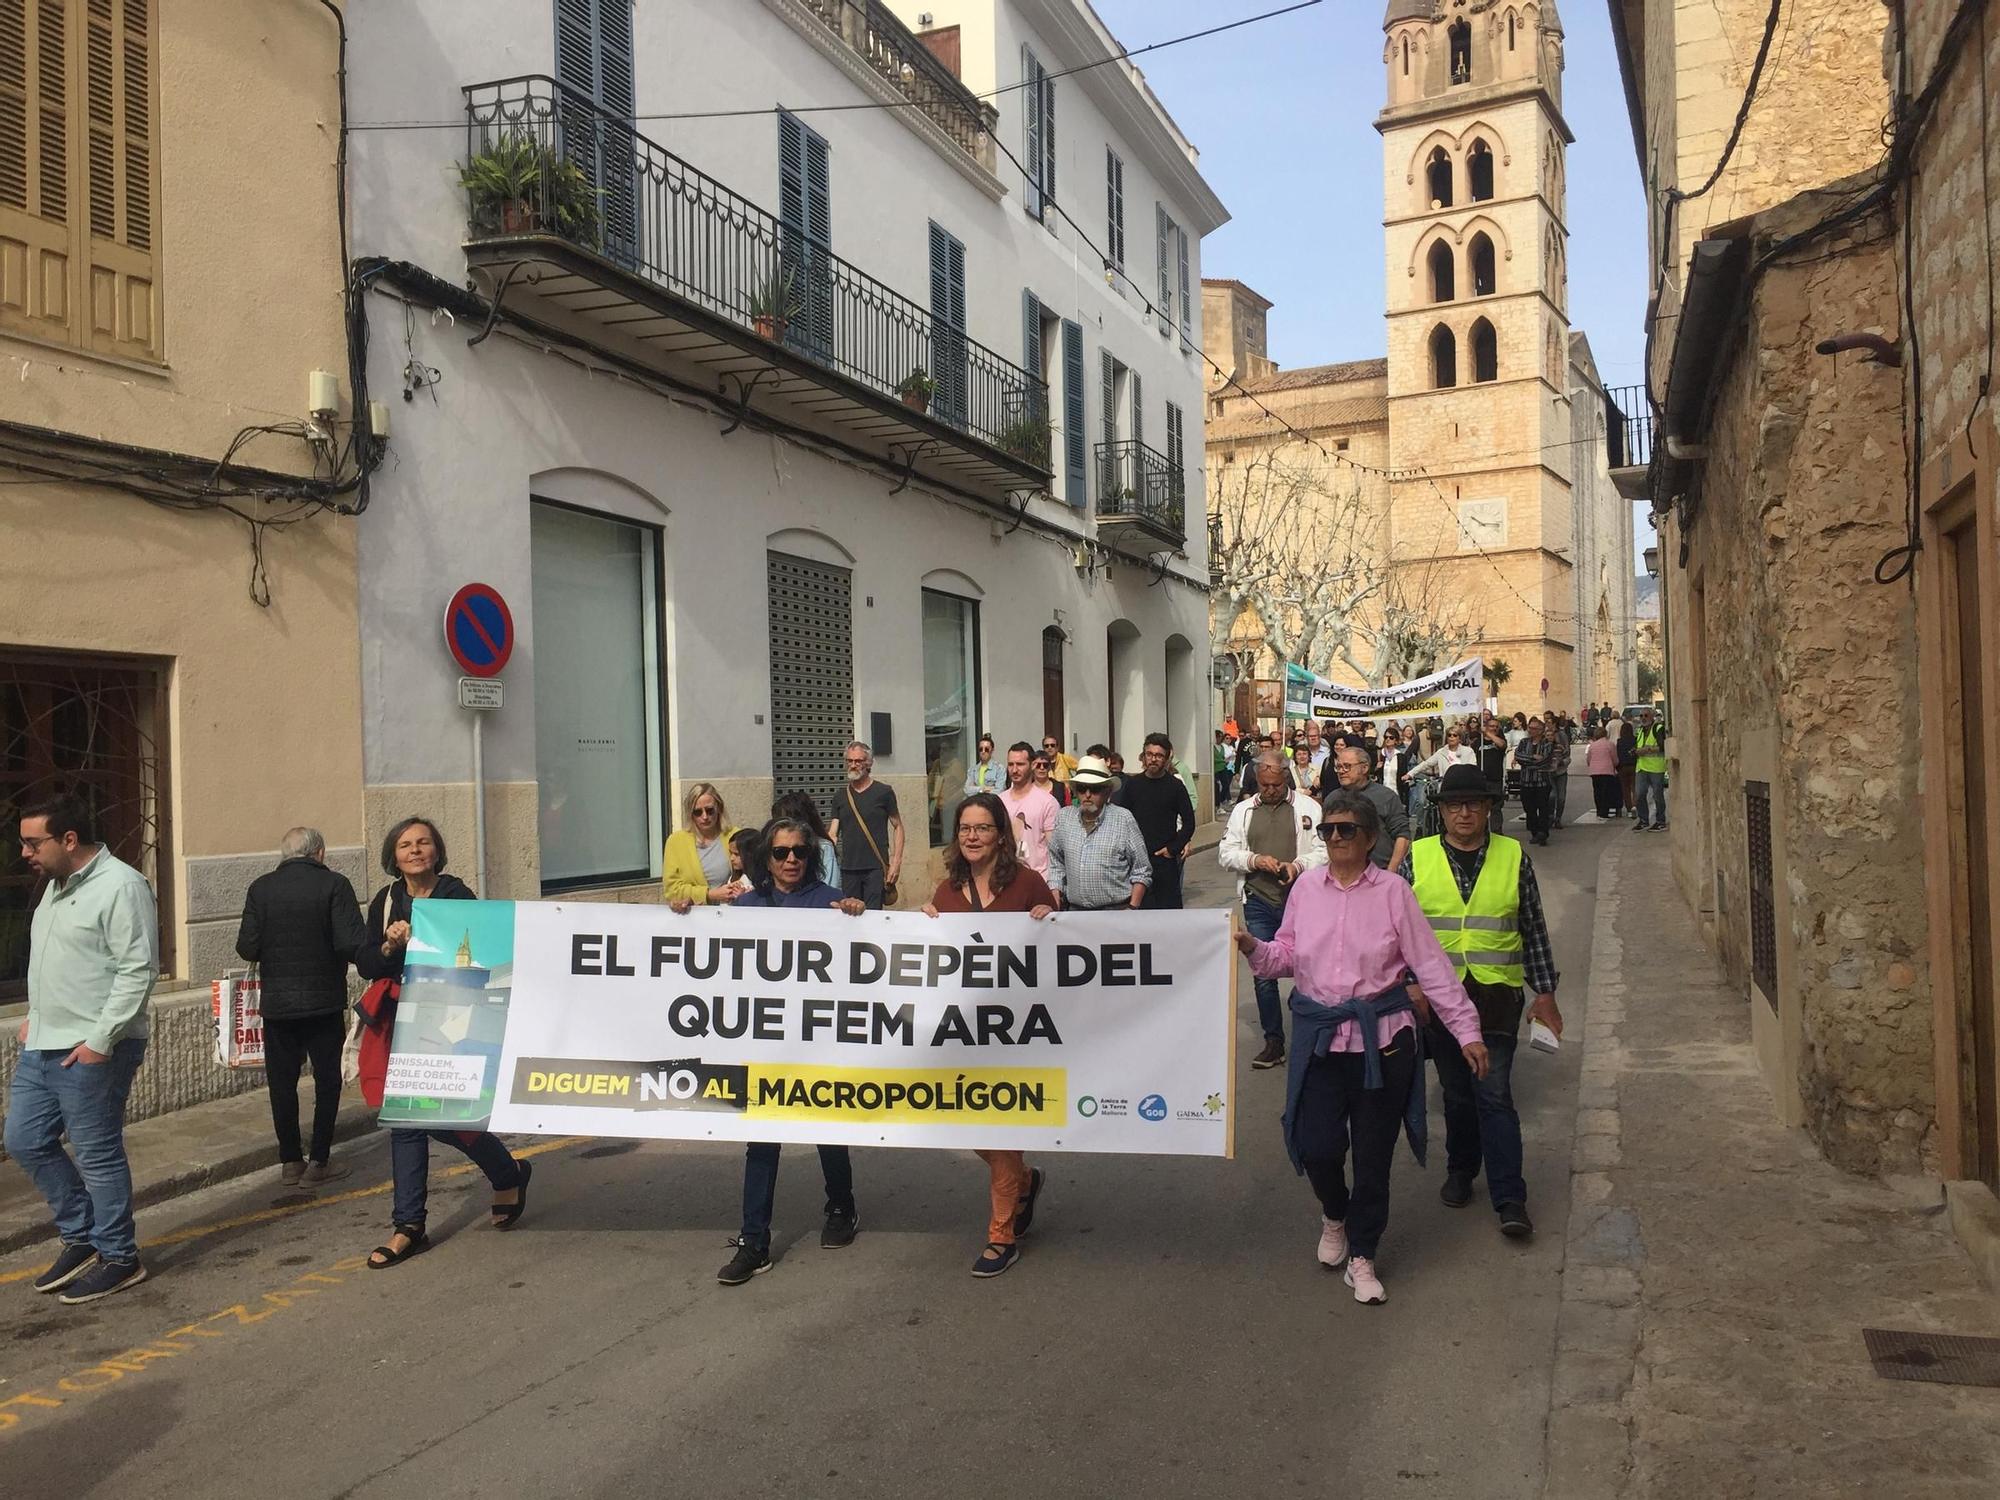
[
  {"x": 1351, "y": 933},
  {"x": 788, "y": 878}
]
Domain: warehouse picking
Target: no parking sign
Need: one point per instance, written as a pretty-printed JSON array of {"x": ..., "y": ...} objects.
[{"x": 479, "y": 630}]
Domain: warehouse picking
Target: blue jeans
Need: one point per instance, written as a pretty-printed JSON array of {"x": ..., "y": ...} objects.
[
  {"x": 1481, "y": 1125},
  {"x": 760, "y": 1187},
  {"x": 410, "y": 1162},
  {"x": 1656, "y": 783},
  {"x": 91, "y": 1196},
  {"x": 1261, "y": 919}
]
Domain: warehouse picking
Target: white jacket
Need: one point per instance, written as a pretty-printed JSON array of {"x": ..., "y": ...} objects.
[{"x": 1235, "y": 853}]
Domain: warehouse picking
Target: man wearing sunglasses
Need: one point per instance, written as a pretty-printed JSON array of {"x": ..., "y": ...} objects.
[
  {"x": 1478, "y": 890},
  {"x": 1097, "y": 857}
]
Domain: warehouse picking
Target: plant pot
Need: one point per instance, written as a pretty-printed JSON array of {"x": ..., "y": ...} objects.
[
  {"x": 519, "y": 216},
  {"x": 770, "y": 327},
  {"x": 916, "y": 400}
]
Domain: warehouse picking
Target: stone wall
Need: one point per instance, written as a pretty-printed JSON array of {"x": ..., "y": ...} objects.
[{"x": 1809, "y": 681}]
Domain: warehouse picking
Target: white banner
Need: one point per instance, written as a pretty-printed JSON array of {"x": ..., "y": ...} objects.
[
  {"x": 1088, "y": 1031},
  {"x": 1455, "y": 691}
]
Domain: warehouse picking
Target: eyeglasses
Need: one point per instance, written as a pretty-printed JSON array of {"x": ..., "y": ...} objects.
[
  {"x": 1340, "y": 831},
  {"x": 784, "y": 853},
  {"x": 29, "y": 846},
  {"x": 977, "y": 830}
]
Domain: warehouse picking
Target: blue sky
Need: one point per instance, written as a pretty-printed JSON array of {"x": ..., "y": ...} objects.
[{"x": 1283, "y": 113}]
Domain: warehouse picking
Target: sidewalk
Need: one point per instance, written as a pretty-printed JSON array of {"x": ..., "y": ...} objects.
[
  {"x": 180, "y": 1152},
  {"x": 1718, "y": 1272}
]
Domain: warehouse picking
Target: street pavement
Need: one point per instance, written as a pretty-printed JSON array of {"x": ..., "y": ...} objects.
[{"x": 1168, "y": 1331}]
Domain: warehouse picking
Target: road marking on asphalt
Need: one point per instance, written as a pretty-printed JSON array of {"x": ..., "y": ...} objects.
[
  {"x": 304, "y": 1205},
  {"x": 190, "y": 1337}
]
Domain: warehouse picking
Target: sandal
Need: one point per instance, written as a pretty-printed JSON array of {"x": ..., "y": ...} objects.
[
  {"x": 419, "y": 1243},
  {"x": 504, "y": 1214}
]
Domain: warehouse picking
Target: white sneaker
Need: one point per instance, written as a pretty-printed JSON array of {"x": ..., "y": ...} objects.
[
  {"x": 1332, "y": 1243},
  {"x": 1360, "y": 1274}
]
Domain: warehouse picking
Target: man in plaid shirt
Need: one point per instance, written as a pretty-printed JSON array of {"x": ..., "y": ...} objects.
[{"x": 1498, "y": 938}]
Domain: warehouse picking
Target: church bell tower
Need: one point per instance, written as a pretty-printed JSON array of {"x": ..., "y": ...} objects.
[{"x": 1478, "y": 331}]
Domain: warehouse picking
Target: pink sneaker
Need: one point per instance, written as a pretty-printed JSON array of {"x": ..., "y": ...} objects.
[
  {"x": 1332, "y": 1243},
  {"x": 1360, "y": 1274}
]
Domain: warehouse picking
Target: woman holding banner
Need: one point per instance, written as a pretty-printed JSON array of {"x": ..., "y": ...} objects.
[
  {"x": 789, "y": 879},
  {"x": 982, "y": 875},
  {"x": 1350, "y": 935},
  {"x": 413, "y": 857}
]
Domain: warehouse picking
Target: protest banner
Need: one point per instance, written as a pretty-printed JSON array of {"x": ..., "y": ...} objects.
[
  {"x": 1453, "y": 692},
  {"x": 1085, "y": 1032}
]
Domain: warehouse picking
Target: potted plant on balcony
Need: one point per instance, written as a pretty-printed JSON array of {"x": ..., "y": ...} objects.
[
  {"x": 774, "y": 303},
  {"x": 917, "y": 389},
  {"x": 1026, "y": 436},
  {"x": 517, "y": 185}
]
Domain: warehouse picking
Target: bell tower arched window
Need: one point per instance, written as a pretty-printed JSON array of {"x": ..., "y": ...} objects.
[
  {"x": 1437, "y": 176},
  {"x": 1479, "y": 171},
  {"x": 1510, "y": 31},
  {"x": 1460, "y": 35},
  {"x": 1485, "y": 352},
  {"x": 1443, "y": 273},
  {"x": 1444, "y": 359},
  {"x": 1479, "y": 257},
  {"x": 1406, "y": 57}
]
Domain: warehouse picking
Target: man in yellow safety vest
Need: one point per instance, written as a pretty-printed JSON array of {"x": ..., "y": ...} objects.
[
  {"x": 1652, "y": 772},
  {"x": 1479, "y": 891}
]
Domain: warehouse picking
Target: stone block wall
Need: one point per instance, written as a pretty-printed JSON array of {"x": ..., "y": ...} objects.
[{"x": 1809, "y": 677}]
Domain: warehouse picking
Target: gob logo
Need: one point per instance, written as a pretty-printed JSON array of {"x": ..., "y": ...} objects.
[
  {"x": 1086, "y": 1105},
  {"x": 1152, "y": 1107}
]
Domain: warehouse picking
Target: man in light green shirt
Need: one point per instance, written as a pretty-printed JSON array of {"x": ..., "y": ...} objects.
[{"x": 92, "y": 959}]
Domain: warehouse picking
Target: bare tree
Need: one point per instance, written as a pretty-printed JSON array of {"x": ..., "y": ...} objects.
[{"x": 1300, "y": 567}]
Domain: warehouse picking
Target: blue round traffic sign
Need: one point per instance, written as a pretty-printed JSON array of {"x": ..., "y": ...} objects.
[{"x": 479, "y": 630}]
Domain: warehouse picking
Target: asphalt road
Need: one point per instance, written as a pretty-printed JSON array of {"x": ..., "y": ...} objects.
[{"x": 1168, "y": 1332}]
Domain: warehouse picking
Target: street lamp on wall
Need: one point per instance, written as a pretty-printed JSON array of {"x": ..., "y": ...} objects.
[{"x": 1652, "y": 555}]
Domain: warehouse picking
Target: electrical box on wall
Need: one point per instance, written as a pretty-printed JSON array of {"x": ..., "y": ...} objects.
[{"x": 879, "y": 734}]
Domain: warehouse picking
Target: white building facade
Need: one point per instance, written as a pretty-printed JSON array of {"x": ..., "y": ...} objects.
[{"x": 777, "y": 423}]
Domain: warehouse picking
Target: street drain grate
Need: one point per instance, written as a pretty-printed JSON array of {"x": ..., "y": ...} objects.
[{"x": 1942, "y": 1358}]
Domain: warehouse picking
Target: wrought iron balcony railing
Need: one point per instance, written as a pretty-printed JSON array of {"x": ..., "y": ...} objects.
[
  {"x": 872, "y": 31},
  {"x": 1140, "y": 484},
  {"x": 1628, "y": 427},
  {"x": 543, "y": 161}
]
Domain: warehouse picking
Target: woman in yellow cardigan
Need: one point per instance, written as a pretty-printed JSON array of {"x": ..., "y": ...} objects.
[{"x": 695, "y": 866}]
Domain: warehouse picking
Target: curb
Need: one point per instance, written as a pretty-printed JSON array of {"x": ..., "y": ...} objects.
[
  {"x": 1587, "y": 1445},
  {"x": 184, "y": 1178}
]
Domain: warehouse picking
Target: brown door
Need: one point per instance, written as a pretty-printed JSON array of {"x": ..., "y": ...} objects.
[
  {"x": 1052, "y": 685},
  {"x": 1966, "y": 802}
]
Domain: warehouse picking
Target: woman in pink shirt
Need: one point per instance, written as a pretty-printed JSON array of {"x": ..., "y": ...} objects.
[
  {"x": 1600, "y": 758},
  {"x": 1351, "y": 933}
]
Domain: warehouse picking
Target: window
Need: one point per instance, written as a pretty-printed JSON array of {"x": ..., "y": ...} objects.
[
  {"x": 1041, "y": 336},
  {"x": 1176, "y": 454},
  {"x": 1443, "y": 272},
  {"x": 594, "y": 60},
  {"x": 1763, "y": 906},
  {"x": 1480, "y": 255},
  {"x": 1479, "y": 171},
  {"x": 1510, "y": 31},
  {"x": 951, "y": 701},
  {"x": 1052, "y": 683},
  {"x": 1114, "y": 208},
  {"x": 805, "y": 216},
  {"x": 79, "y": 110},
  {"x": 597, "y": 696},
  {"x": 1460, "y": 35},
  {"x": 947, "y": 363},
  {"x": 1121, "y": 414},
  {"x": 1406, "y": 57},
  {"x": 1444, "y": 358},
  {"x": 1437, "y": 176},
  {"x": 1040, "y": 157},
  {"x": 1485, "y": 352}
]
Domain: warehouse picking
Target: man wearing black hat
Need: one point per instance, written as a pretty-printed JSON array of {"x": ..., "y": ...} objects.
[{"x": 1478, "y": 888}]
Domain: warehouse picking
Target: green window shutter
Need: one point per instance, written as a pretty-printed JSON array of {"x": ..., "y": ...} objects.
[{"x": 1073, "y": 444}]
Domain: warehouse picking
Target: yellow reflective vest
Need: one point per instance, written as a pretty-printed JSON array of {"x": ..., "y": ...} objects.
[
  {"x": 1481, "y": 936},
  {"x": 1652, "y": 751}
]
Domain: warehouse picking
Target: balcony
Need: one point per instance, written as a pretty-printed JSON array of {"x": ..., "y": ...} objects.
[
  {"x": 1628, "y": 440},
  {"x": 590, "y": 228},
  {"x": 1141, "y": 496},
  {"x": 890, "y": 50}
]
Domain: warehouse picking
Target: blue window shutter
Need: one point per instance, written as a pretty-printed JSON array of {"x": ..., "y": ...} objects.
[
  {"x": 1031, "y": 99},
  {"x": 576, "y": 46},
  {"x": 1073, "y": 445},
  {"x": 1108, "y": 415},
  {"x": 1114, "y": 208},
  {"x": 614, "y": 57},
  {"x": 1162, "y": 228},
  {"x": 791, "y": 174},
  {"x": 1031, "y": 333},
  {"x": 948, "y": 324},
  {"x": 1187, "y": 302},
  {"x": 1047, "y": 86}
]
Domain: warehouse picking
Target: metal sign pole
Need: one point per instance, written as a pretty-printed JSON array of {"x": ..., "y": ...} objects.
[{"x": 479, "y": 802}]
